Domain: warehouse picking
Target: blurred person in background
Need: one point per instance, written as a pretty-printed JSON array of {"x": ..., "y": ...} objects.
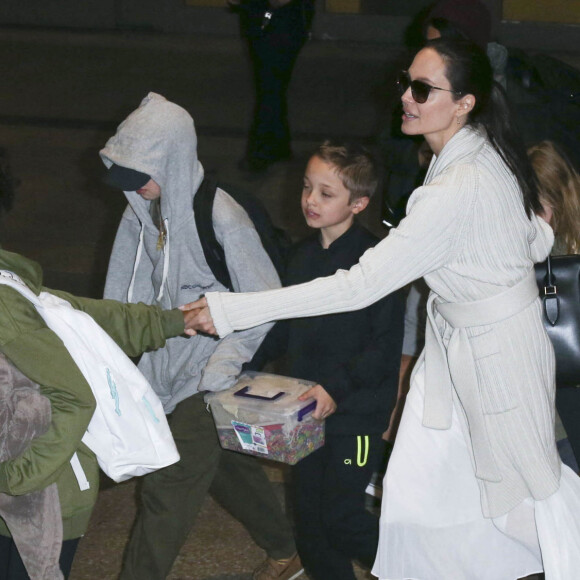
[
  {"x": 276, "y": 31},
  {"x": 559, "y": 189}
]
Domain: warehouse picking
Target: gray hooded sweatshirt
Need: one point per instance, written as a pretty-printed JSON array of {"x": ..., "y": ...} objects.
[{"x": 159, "y": 139}]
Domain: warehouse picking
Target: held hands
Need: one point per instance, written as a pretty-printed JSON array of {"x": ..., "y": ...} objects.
[
  {"x": 325, "y": 405},
  {"x": 197, "y": 318}
]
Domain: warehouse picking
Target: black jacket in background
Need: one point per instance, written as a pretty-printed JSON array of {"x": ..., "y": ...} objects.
[{"x": 355, "y": 356}]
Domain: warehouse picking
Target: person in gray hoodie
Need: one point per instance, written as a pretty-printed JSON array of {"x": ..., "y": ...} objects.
[{"x": 157, "y": 258}]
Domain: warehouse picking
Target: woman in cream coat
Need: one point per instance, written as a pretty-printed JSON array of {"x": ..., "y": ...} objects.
[{"x": 474, "y": 489}]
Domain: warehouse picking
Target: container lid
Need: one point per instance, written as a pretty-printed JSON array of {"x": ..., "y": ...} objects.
[{"x": 264, "y": 393}]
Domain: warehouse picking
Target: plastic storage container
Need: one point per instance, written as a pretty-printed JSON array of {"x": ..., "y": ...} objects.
[{"x": 261, "y": 415}]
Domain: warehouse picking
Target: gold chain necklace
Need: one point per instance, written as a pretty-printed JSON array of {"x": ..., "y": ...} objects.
[{"x": 162, "y": 235}]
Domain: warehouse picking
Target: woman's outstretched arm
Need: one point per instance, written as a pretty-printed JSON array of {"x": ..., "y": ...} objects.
[{"x": 427, "y": 239}]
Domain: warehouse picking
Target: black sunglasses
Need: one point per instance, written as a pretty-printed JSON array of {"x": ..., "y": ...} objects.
[{"x": 419, "y": 90}]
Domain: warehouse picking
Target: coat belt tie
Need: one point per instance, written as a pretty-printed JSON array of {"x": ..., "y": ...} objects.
[{"x": 453, "y": 368}]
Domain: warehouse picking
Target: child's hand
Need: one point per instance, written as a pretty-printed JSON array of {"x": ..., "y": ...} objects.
[{"x": 325, "y": 405}]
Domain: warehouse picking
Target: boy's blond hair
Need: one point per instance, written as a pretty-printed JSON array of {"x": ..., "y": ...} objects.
[
  {"x": 355, "y": 165},
  {"x": 559, "y": 188}
]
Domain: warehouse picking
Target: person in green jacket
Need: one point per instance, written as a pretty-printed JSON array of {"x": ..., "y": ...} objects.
[{"x": 40, "y": 355}]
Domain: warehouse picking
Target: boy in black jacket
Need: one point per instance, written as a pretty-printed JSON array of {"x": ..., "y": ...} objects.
[{"x": 354, "y": 359}]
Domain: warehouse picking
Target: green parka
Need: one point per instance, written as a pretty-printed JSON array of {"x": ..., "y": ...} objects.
[{"x": 40, "y": 355}]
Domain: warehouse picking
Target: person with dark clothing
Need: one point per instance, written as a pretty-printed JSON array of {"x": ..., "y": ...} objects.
[
  {"x": 354, "y": 357},
  {"x": 276, "y": 31}
]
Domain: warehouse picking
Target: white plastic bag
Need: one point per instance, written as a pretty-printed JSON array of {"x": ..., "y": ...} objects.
[{"x": 128, "y": 432}]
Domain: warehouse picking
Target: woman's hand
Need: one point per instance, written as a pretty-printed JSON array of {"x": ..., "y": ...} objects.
[
  {"x": 325, "y": 405},
  {"x": 197, "y": 318}
]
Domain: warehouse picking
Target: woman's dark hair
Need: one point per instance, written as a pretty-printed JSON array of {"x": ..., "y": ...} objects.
[
  {"x": 469, "y": 71},
  {"x": 446, "y": 29}
]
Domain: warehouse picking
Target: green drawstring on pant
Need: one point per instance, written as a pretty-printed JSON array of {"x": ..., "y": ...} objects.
[{"x": 360, "y": 460}]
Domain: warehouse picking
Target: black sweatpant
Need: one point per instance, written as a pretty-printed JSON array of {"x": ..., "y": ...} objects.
[{"x": 333, "y": 526}]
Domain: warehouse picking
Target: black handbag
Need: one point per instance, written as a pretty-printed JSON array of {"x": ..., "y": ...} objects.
[{"x": 558, "y": 280}]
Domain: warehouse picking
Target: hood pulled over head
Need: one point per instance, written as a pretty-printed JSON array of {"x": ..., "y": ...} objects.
[{"x": 158, "y": 139}]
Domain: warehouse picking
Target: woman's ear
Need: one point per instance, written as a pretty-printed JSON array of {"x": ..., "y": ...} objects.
[{"x": 466, "y": 104}]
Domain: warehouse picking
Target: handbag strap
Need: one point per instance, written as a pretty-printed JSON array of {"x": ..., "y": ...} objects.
[
  {"x": 550, "y": 298},
  {"x": 549, "y": 273}
]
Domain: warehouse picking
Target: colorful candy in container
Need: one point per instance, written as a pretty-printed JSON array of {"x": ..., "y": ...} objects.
[{"x": 261, "y": 415}]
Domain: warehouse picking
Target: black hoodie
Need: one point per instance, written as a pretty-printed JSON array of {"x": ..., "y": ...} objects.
[{"x": 355, "y": 356}]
